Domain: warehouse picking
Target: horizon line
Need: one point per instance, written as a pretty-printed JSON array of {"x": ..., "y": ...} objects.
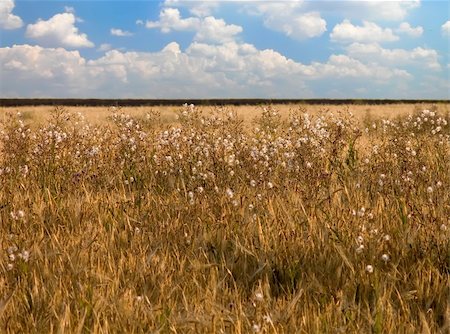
[{"x": 123, "y": 102}]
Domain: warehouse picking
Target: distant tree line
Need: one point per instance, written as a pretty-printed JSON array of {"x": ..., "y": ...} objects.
[{"x": 13, "y": 102}]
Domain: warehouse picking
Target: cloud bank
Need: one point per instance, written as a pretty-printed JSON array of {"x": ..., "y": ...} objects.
[{"x": 59, "y": 30}]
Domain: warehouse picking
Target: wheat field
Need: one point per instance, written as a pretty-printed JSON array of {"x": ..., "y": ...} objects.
[{"x": 275, "y": 219}]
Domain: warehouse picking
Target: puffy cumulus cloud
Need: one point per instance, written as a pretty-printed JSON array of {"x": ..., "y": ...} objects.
[
  {"x": 373, "y": 52},
  {"x": 266, "y": 7},
  {"x": 374, "y": 9},
  {"x": 207, "y": 29},
  {"x": 173, "y": 47},
  {"x": 216, "y": 30},
  {"x": 289, "y": 18},
  {"x": 369, "y": 32},
  {"x": 120, "y": 32},
  {"x": 70, "y": 9},
  {"x": 243, "y": 60},
  {"x": 59, "y": 30},
  {"x": 197, "y": 8},
  {"x": 208, "y": 7},
  {"x": 37, "y": 71},
  {"x": 170, "y": 19},
  {"x": 371, "y": 10},
  {"x": 7, "y": 19},
  {"x": 343, "y": 66},
  {"x": 405, "y": 28},
  {"x": 301, "y": 26},
  {"x": 202, "y": 70},
  {"x": 445, "y": 28},
  {"x": 301, "y": 19},
  {"x": 39, "y": 60},
  {"x": 390, "y": 10}
]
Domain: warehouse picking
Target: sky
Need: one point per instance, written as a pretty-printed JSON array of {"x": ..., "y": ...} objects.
[{"x": 225, "y": 49}]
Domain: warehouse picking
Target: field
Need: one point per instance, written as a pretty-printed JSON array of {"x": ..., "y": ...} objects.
[{"x": 275, "y": 219}]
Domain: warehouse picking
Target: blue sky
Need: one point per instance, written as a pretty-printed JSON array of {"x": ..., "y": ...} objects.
[{"x": 225, "y": 49}]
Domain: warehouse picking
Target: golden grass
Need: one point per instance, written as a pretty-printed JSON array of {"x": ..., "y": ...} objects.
[
  {"x": 213, "y": 223},
  {"x": 98, "y": 115}
]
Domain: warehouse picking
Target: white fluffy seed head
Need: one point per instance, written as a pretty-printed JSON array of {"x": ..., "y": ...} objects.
[
  {"x": 359, "y": 249},
  {"x": 259, "y": 296},
  {"x": 256, "y": 328},
  {"x": 25, "y": 255}
]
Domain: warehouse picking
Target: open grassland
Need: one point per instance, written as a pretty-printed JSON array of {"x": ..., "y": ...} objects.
[
  {"x": 41, "y": 115},
  {"x": 230, "y": 220}
]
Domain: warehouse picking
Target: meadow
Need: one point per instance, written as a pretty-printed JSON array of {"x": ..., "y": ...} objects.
[{"x": 271, "y": 219}]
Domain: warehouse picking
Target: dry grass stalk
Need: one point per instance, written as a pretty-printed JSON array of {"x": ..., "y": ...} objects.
[{"x": 309, "y": 223}]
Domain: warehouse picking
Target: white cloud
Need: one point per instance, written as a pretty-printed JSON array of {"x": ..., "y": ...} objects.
[
  {"x": 243, "y": 60},
  {"x": 289, "y": 18},
  {"x": 104, "y": 47},
  {"x": 301, "y": 26},
  {"x": 283, "y": 16},
  {"x": 216, "y": 30},
  {"x": 445, "y": 28},
  {"x": 120, "y": 32},
  {"x": 170, "y": 19},
  {"x": 36, "y": 71},
  {"x": 405, "y": 28},
  {"x": 391, "y": 10},
  {"x": 301, "y": 19},
  {"x": 139, "y": 22},
  {"x": 69, "y": 9},
  {"x": 308, "y": 25},
  {"x": 197, "y": 8},
  {"x": 59, "y": 30},
  {"x": 343, "y": 66},
  {"x": 8, "y": 20},
  {"x": 273, "y": 7},
  {"x": 202, "y": 70},
  {"x": 173, "y": 47},
  {"x": 368, "y": 32},
  {"x": 207, "y": 29},
  {"x": 374, "y": 53}
]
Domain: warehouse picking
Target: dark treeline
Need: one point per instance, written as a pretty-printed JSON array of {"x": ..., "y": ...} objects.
[{"x": 4, "y": 102}]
